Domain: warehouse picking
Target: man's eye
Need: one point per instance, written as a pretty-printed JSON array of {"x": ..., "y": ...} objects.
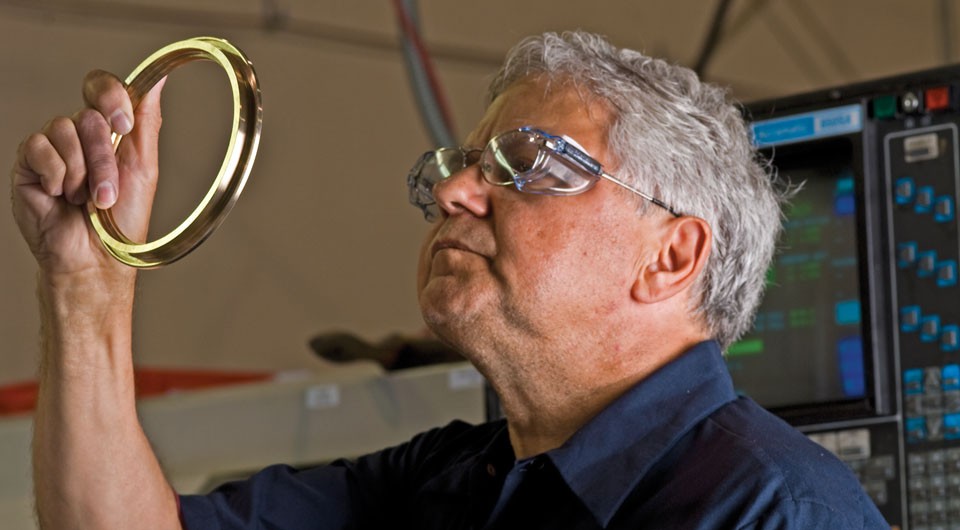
[{"x": 521, "y": 164}]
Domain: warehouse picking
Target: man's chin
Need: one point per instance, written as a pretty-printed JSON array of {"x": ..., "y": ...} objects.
[{"x": 448, "y": 314}]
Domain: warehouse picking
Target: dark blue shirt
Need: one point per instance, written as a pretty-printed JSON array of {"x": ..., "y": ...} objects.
[{"x": 678, "y": 451}]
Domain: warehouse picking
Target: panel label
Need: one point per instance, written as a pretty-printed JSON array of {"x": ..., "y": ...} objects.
[{"x": 808, "y": 126}]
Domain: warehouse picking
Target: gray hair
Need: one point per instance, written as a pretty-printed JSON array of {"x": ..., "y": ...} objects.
[{"x": 684, "y": 142}]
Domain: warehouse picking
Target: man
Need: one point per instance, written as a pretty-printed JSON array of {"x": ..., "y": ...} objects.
[{"x": 599, "y": 240}]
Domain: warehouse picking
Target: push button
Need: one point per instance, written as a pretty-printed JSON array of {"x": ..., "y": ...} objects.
[
  {"x": 938, "y": 504},
  {"x": 950, "y": 376},
  {"x": 925, "y": 197},
  {"x": 913, "y": 381},
  {"x": 930, "y": 329},
  {"x": 933, "y": 407},
  {"x": 877, "y": 490},
  {"x": 932, "y": 379},
  {"x": 910, "y": 103},
  {"x": 917, "y": 464},
  {"x": 909, "y": 318},
  {"x": 934, "y": 427},
  {"x": 906, "y": 254},
  {"x": 953, "y": 485},
  {"x": 913, "y": 404},
  {"x": 937, "y": 98},
  {"x": 884, "y": 107},
  {"x": 917, "y": 429},
  {"x": 947, "y": 273},
  {"x": 917, "y": 486},
  {"x": 950, "y": 340},
  {"x": 904, "y": 190},
  {"x": 936, "y": 462},
  {"x": 953, "y": 462},
  {"x": 926, "y": 263},
  {"x": 951, "y": 401},
  {"x": 538, "y": 463},
  {"x": 951, "y": 426},
  {"x": 943, "y": 209}
]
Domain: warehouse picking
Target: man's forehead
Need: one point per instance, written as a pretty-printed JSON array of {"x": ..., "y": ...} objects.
[{"x": 558, "y": 108}]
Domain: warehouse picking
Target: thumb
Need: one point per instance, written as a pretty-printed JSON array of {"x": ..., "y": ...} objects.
[
  {"x": 138, "y": 160},
  {"x": 137, "y": 153},
  {"x": 145, "y": 135},
  {"x": 147, "y": 113}
]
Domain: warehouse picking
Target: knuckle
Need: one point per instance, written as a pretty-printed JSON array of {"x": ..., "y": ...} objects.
[
  {"x": 35, "y": 142},
  {"x": 75, "y": 173},
  {"x": 89, "y": 121},
  {"x": 101, "y": 167},
  {"x": 102, "y": 89},
  {"x": 60, "y": 126},
  {"x": 53, "y": 175}
]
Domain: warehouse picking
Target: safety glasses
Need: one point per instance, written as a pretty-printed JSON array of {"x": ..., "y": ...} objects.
[{"x": 530, "y": 159}]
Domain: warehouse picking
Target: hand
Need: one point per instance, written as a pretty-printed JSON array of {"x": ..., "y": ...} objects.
[{"x": 71, "y": 160}]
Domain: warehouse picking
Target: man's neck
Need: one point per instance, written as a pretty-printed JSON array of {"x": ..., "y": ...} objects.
[
  {"x": 551, "y": 422},
  {"x": 544, "y": 412}
]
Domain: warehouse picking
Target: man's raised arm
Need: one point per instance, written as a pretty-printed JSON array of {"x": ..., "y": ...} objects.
[{"x": 93, "y": 466}]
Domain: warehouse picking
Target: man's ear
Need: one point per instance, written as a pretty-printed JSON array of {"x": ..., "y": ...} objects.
[{"x": 683, "y": 252}]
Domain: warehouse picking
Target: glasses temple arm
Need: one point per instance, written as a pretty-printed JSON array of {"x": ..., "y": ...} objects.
[{"x": 650, "y": 198}]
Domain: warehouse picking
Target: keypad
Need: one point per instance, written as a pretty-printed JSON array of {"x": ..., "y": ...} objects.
[
  {"x": 933, "y": 487},
  {"x": 932, "y": 403}
]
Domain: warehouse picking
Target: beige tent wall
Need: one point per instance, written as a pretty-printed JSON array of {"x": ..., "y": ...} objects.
[{"x": 322, "y": 238}]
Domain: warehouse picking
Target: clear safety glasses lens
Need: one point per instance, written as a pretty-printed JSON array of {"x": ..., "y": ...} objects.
[
  {"x": 525, "y": 158},
  {"x": 432, "y": 167},
  {"x": 533, "y": 162}
]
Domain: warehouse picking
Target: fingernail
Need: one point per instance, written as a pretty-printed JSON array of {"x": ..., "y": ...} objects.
[
  {"x": 120, "y": 123},
  {"x": 106, "y": 195}
]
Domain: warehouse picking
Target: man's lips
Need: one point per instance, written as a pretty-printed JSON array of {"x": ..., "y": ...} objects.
[
  {"x": 445, "y": 244},
  {"x": 464, "y": 242}
]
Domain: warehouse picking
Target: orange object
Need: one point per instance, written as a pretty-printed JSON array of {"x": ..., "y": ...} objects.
[
  {"x": 937, "y": 98},
  {"x": 20, "y": 398}
]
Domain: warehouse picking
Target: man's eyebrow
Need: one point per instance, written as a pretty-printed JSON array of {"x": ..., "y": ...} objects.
[{"x": 470, "y": 145}]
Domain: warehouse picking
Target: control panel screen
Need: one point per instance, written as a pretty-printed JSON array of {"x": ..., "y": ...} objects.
[{"x": 806, "y": 345}]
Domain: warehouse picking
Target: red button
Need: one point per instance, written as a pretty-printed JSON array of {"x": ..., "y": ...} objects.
[{"x": 937, "y": 98}]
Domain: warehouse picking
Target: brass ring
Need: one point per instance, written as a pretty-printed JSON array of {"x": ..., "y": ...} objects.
[{"x": 241, "y": 151}]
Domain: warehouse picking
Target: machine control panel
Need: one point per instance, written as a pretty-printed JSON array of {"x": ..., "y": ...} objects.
[{"x": 898, "y": 140}]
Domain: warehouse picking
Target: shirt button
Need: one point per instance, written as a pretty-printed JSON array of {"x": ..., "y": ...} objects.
[{"x": 491, "y": 470}]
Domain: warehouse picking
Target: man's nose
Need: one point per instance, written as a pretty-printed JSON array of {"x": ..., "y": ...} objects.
[{"x": 466, "y": 191}]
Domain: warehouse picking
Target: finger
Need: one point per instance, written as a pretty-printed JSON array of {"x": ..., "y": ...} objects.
[
  {"x": 101, "y": 163},
  {"x": 105, "y": 92},
  {"x": 62, "y": 134},
  {"x": 39, "y": 159}
]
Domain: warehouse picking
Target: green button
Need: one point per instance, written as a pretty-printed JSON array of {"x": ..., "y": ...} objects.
[
  {"x": 745, "y": 347},
  {"x": 884, "y": 107}
]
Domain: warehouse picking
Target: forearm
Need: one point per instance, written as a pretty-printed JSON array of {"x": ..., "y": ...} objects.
[{"x": 93, "y": 466}]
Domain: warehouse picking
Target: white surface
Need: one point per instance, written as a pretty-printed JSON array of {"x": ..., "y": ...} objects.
[{"x": 228, "y": 432}]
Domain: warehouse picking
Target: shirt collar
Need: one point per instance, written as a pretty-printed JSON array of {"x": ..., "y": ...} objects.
[{"x": 607, "y": 457}]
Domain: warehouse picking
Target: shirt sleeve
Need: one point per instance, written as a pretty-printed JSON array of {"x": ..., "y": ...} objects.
[
  {"x": 803, "y": 514},
  {"x": 342, "y": 495},
  {"x": 277, "y": 497}
]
